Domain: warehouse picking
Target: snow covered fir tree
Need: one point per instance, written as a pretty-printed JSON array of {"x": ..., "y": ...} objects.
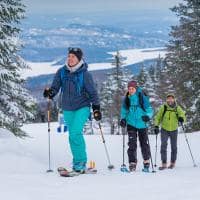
[
  {"x": 16, "y": 105},
  {"x": 183, "y": 60},
  {"x": 112, "y": 91}
]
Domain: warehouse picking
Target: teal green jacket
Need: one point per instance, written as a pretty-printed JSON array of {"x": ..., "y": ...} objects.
[{"x": 134, "y": 114}]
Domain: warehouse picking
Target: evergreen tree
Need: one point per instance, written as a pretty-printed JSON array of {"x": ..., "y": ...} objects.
[
  {"x": 112, "y": 91},
  {"x": 183, "y": 59},
  {"x": 141, "y": 77},
  {"x": 148, "y": 81},
  {"x": 107, "y": 103},
  {"x": 16, "y": 105},
  {"x": 163, "y": 84},
  {"x": 154, "y": 80}
]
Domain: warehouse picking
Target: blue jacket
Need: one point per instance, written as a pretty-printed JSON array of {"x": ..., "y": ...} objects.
[
  {"x": 71, "y": 99},
  {"x": 134, "y": 114}
]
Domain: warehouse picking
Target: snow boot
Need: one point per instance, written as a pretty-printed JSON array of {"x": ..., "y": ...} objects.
[
  {"x": 132, "y": 166},
  {"x": 172, "y": 165},
  {"x": 79, "y": 167},
  {"x": 163, "y": 166},
  {"x": 146, "y": 167}
]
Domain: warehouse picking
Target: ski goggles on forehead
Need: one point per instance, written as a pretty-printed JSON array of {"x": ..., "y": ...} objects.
[{"x": 74, "y": 49}]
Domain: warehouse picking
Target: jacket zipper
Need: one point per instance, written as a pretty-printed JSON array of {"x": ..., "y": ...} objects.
[{"x": 69, "y": 93}]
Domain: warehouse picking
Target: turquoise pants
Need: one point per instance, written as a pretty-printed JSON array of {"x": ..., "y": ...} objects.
[{"x": 75, "y": 121}]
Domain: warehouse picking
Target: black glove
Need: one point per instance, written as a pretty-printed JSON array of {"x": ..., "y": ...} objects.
[
  {"x": 48, "y": 92},
  {"x": 156, "y": 130},
  {"x": 145, "y": 118},
  {"x": 123, "y": 123},
  {"x": 96, "y": 112},
  {"x": 180, "y": 119}
]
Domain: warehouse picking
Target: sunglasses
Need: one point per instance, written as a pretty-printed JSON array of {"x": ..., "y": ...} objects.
[{"x": 74, "y": 49}]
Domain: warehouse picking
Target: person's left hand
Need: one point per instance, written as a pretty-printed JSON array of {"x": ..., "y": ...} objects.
[
  {"x": 180, "y": 119},
  {"x": 145, "y": 118},
  {"x": 97, "y": 115},
  {"x": 96, "y": 112}
]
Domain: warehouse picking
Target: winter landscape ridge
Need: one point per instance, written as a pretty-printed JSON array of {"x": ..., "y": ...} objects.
[
  {"x": 40, "y": 74},
  {"x": 132, "y": 56},
  {"x": 24, "y": 163}
]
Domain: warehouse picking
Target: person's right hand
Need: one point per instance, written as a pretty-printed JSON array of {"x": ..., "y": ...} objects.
[
  {"x": 156, "y": 130},
  {"x": 48, "y": 93},
  {"x": 123, "y": 123},
  {"x": 97, "y": 115},
  {"x": 181, "y": 120}
]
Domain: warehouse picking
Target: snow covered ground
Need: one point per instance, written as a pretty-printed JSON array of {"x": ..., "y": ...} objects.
[
  {"x": 23, "y": 165},
  {"x": 132, "y": 56}
]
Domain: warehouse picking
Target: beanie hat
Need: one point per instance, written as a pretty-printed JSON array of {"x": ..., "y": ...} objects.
[
  {"x": 76, "y": 51},
  {"x": 171, "y": 95},
  {"x": 132, "y": 84}
]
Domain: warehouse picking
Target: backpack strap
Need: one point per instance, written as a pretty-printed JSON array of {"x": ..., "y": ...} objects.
[
  {"x": 165, "y": 109},
  {"x": 141, "y": 100},
  {"x": 78, "y": 80},
  {"x": 62, "y": 76},
  {"x": 127, "y": 101},
  {"x": 176, "y": 112}
]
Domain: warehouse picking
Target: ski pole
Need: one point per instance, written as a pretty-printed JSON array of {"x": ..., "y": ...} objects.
[
  {"x": 194, "y": 164},
  {"x": 123, "y": 166},
  {"x": 49, "y": 141},
  {"x": 155, "y": 165},
  {"x": 110, "y": 166},
  {"x": 153, "y": 170},
  {"x": 123, "y": 146}
]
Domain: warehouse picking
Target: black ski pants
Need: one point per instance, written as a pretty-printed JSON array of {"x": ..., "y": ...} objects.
[
  {"x": 132, "y": 143},
  {"x": 164, "y": 141}
]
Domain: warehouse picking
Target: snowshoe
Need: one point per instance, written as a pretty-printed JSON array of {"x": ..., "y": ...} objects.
[
  {"x": 163, "y": 166},
  {"x": 124, "y": 168},
  {"x": 71, "y": 173}
]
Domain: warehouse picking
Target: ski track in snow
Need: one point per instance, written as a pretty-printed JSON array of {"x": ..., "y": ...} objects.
[{"x": 24, "y": 163}]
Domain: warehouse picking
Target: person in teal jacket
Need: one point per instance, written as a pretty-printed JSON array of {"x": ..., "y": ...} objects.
[{"x": 136, "y": 112}]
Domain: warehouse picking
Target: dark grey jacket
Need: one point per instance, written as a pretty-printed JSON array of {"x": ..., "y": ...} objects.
[{"x": 71, "y": 99}]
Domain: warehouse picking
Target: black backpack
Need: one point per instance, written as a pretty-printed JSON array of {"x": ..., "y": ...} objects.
[
  {"x": 141, "y": 95},
  {"x": 165, "y": 109}
]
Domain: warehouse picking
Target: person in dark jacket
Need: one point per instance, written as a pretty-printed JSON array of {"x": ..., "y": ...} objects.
[
  {"x": 78, "y": 93},
  {"x": 136, "y": 112}
]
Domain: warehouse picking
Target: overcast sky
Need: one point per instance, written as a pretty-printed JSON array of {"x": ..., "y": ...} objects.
[{"x": 61, "y": 6}]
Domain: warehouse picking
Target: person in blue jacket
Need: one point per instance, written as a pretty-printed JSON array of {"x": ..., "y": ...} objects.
[
  {"x": 78, "y": 93},
  {"x": 136, "y": 112}
]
